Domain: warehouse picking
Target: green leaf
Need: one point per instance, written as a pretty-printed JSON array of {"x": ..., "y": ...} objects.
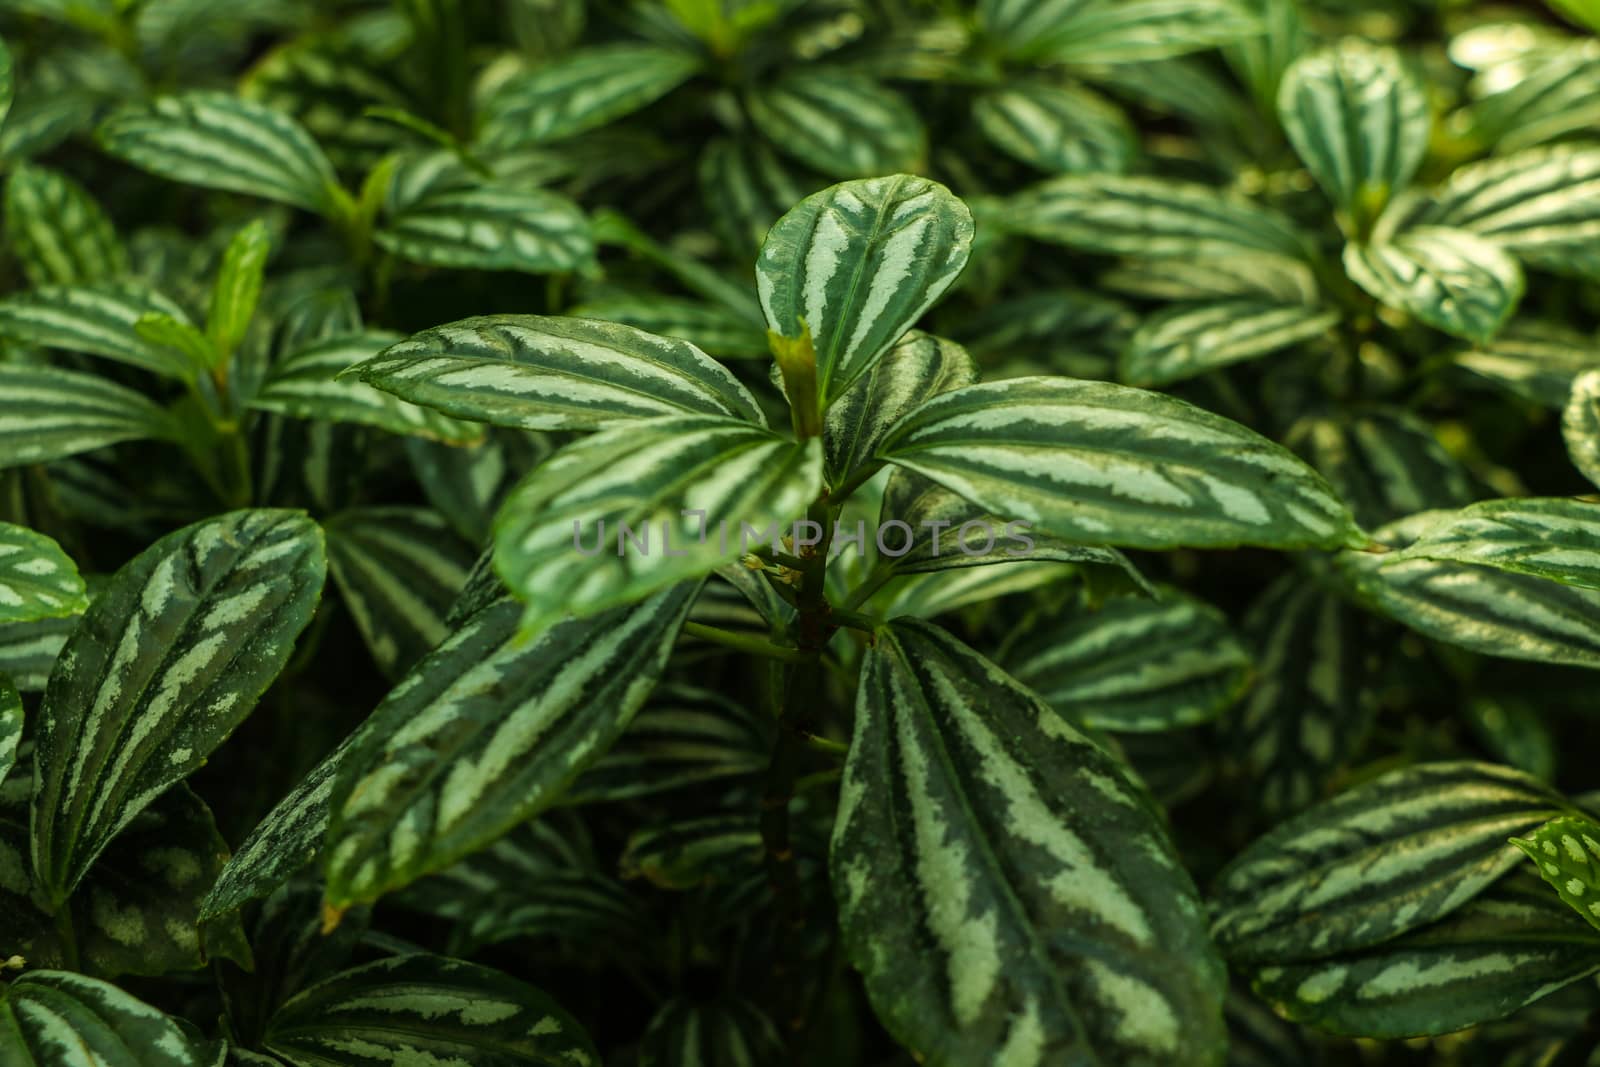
[
  {"x": 100, "y": 320},
  {"x": 1449, "y": 279},
  {"x": 1567, "y": 853},
  {"x": 490, "y": 227},
  {"x": 729, "y": 1030},
  {"x": 221, "y": 141},
  {"x": 711, "y": 327},
  {"x": 1556, "y": 538},
  {"x": 1261, "y": 276},
  {"x": 449, "y": 762},
  {"x": 1387, "y": 856},
  {"x": 37, "y": 580},
  {"x": 839, "y": 123},
  {"x": 1358, "y": 116},
  {"x": 691, "y": 853},
  {"x": 58, "y": 231},
  {"x": 1131, "y": 31},
  {"x": 193, "y": 347},
  {"x": 1190, "y": 340},
  {"x": 1140, "y": 216},
  {"x": 1538, "y": 204},
  {"x": 398, "y": 570},
  {"x": 586, "y": 89},
  {"x": 544, "y": 373},
  {"x": 1537, "y": 361},
  {"x": 49, "y": 1012},
  {"x": 745, "y": 187},
  {"x": 1580, "y": 425},
  {"x": 1104, "y": 464},
  {"x": 1551, "y": 94},
  {"x": 28, "y": 650},
  {"x": 682, "y": 492},
  {"x": 1500, "y": 951},
  {"x": 1005, "y": 887},
  {"x": 169, "y": 658},
  {"x": 419, "y": 1009},
  {"x": 1060, "y": 129},
  {"x": 8, "y": 88},
  {"x": 308, "y": 385},
  {"x": 237, "y": 288},
  {"x": 1490, "y": 611},
  {"x": 1133, "y": 664},
  {"x": 51, "y": 413},
  {"x": 915, "y": 368},
  {"x": 1384, "y": 462},
  {"x": 10, "y": 724},
  {"x": 858, "y": 264}
]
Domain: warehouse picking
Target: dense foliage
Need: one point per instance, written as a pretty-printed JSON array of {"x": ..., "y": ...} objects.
[{"x": 832, "y": 532}]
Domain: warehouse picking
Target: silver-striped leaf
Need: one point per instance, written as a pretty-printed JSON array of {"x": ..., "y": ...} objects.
[
  {"x": 927, "y": 594},
  {"x": 1557, "y": 538},
  {"x": 1548, "y": 95},
  {"x": 1268, "y": 277},
  {"x": 585, "y": 89},
  {"x": 912, "y": 370},
  {"x": 47, "y": 1013},
  {"x": 1490, "y": 611},
  {"x": 727, "y": 1032},
  {"x": 1143, "y": 216},
  {"x": 1539, "y": 205},
  {"x": 631, "y": 510},
  {"x": 52, "y": 413},
  {"x": 222, "y": 141},
  {"x": 307, "y": 384},
  {"x": 485, "y": 733},
  {"x": 1536, "y": 360},
  {"x": 839, "y": 123},
  {"x": 745, "y": 188},
  {"x": 28, "y": 650},
  {"x": 692, "y": 853},
  {"x": 1133, "y": 664},
  {"x": 100, "y": 320},
  {"x": 857, "y": 264},
  {"x": 717, "y": 330},
  {"x": 169, "y": 658},
  {"x": 58, "y": 231},
  {"x": 37, "y": 579},
  {"x": 490, "y": 227},
  {"x": 1567, "y": 853},
  {"x": 466, "y": 485},
  {"x": 1118, "y": 31},
  {"x": 1004, "y": 885},
  {"x": 1465, "y": 285},
  {"x": 1358, "y": 116},
  {"x": 1060, "y": 129},
  {"x": 1188, "y": 340},
  {"x": 1382, "y": 858},
  {"x": 543, "y": 373},
  {"x": 398, "y": 570},
  {"x": 10, "y": 725},
  {"x": 426, "y": 1009},
  {"x": 1108, "y": 465},
  {"x": 1580, "y": 425},
  {"x": 1499, "y": 952}
]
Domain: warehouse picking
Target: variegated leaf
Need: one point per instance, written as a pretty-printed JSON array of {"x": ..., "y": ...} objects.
[
  {"x": 927, "y": 594},
  {"x": 329, "y": 87},
  {"x": 1385, "y": 463},
  {"x": 398, "y": 570},
  {"x": 485, "y": 733},
  {"x": 727, "y": 1032},
  {"x": 1580, "y": 424},
  {"x": 586, "y": 89},
  {"x": 544, "y": 373},
  {"x": 1133, "y": 664},
  {"x": 1453, "y": 281},
  {"x": 490, "y": 227},
  {"x": 839, "y": 123},
  {"x": 37, "y": 580},
  {"x": 1114, "y": 31},
  {"x": 1491, "y": 611},
  {"x": 994, "y": 919},
  {"x": 426, "y": 1009},
  {"x": 1539, "y": 205},
  {"x": 307, "y": 385},
  {"x": 466, "y": 485},
  {"x": 1264, "y": 277},
  {"x": 8, "y": 88},
  {"x": 1385, "y": 857},
  {"x": 1104, "y": 464},
  {"x": 58, "y": 231},
  {"x": 1185, "y": 341},
  {"x": 628, "y": 511},
  {"x": 51, "y": 413},
  {"x": 1537, "y": 361},
  {"x": 1310, "y": 709},
  {"x": 1059, "y": 129},
  {"x": 1145, "y": 216},
  {"x": 101, "y": 320},
  {"x": 221, "y": 141},
  {"x": 1546, "y": 95},
  {"x": 917, "y": 367},
  {"x": 10, "y": 724},
  {"x": 1500, "y": 951},
  {"x": 857, "y": 265},
  {"x": 713, "y": 328},
  {"x": 745, "y": 188},
  {"x": 691, "y": 853},
  {"x": 28, "y": 650},
  {"x": 1557, "y": 538},
  {"x": 1358, "y": 116},
  {"x": 1567, "y": 853},
  {"x": 168, "y": 659},
  {"x": 49, "y": 1012}
]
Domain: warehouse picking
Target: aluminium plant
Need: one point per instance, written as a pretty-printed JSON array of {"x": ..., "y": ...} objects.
[{"x": 1035, "y": 533}]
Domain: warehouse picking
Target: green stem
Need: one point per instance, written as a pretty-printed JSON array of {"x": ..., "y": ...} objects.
[
  {"x": 745, "y": 643},
  {"x": 856, "y": 480},
  {"x": 67, "y": 935},
  {"x": 876, "y": 580}
]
